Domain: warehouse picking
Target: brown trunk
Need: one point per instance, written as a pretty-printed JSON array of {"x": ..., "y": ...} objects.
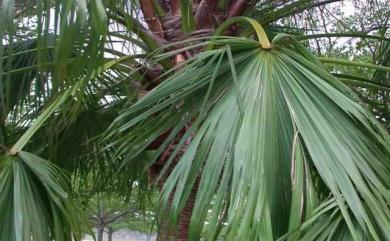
[
  {"x": 151, "y": 18},
  {"x": 239, "y": 7},
  {"x": 207, "y": 17},
  {"x": 165, "y": 231},
  {"x": 204, "y": 16},
  {"x": 175, "y": 7},
  {"x": 180, "y": 233}
]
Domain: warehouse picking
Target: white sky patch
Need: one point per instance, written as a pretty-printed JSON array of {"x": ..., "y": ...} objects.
[{"x": 347, "y": 8}]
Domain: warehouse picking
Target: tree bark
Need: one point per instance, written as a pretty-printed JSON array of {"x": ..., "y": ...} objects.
[
  {"x": 167, "y": 233},
  {"x": 165, "y": 230},
  {"x": 109, "y": 233},
  {"x": 151, "y": 18},
  {"x": 239, "y": 7},
  {"x": 206, "y": 18},
  {"x": 100, "y": 232}
]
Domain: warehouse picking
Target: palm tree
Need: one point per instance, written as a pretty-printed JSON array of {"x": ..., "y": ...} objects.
[{"x": 250, "y": 139}]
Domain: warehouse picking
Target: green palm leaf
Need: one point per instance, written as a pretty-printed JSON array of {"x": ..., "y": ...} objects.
[
  {"x": 34, "y": 201},
  {"x": 245, "y": 114}
]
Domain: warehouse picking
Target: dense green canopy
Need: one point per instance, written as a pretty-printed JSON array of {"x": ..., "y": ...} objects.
[
  {"x": 274, "y": 140},
  {"x": 264, "y": 122}
]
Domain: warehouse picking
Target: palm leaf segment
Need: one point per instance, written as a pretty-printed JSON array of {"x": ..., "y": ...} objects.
[
  {"x": 268, "y": 127},
  {"x": 34, "y": 200}
]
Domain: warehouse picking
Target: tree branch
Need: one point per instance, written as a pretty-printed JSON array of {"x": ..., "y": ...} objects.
[
  {"x": 362, "y": 35},
  {"x": 292, "y": 9},
  {"x": 151, "y": 18},
  {"x": 114, "y": 218},
  {"x": 239, "y": 7},
  {"x": 152, "y": 41},
  {"x": 175, "y": 7},
  {"x": 204, "y": 16}
]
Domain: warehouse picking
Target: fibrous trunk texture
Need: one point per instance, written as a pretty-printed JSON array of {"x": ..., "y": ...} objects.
[
  {"x": 180, "y": 233},
  {"x": 207, "y": 16}
]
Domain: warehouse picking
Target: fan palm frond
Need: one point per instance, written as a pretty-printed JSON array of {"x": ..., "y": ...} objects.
[
  {"x": 34, "y": 201},
  {"x": 267, "y": 126}
]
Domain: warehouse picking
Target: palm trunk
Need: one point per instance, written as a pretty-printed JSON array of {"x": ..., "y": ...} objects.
[
  {"x": 181, "y": 232},
  {"x": 205, "y": 18}
]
